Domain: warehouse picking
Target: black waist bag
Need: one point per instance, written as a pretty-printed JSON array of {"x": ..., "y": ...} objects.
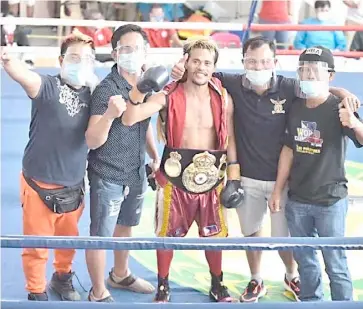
[{"x": 62, "y": 200}]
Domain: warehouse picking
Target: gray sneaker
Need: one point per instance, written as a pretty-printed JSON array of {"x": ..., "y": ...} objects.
[{"x": 62, "y": 285}]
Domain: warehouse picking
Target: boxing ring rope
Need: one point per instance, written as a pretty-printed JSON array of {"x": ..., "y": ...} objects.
[
  {"x": 233, "y": 243},
  {"x": 54, "y": 51},
  {"x": 83, "y": 305},
  {"x": 230, "y": 57},
  {"x": 26, "y": 21},
  {"x": 179, "y": 243}
]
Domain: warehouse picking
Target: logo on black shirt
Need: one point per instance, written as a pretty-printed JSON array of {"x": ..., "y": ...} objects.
[
  {"x": 278, "y": 108},
  {"x": 308, "y": 133}
]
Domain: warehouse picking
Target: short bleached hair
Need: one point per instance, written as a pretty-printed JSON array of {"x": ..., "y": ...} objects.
[{"x": 201, "y": 43}]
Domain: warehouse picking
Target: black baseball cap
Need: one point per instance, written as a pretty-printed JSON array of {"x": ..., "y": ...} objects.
[{"x": 318, "y": 54}]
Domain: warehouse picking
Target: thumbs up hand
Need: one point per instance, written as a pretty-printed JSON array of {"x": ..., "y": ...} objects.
[
  {"x": 346, "y": 114},
  {"x": 179, "y": 68}
]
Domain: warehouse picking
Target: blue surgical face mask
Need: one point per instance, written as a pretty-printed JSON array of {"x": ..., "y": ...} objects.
[
  {"x": 131, "y": 62},
  {"x": 313, "y": 88},
  {"x": 75, "y": 74},
  {"x": 259, "y": 78}
]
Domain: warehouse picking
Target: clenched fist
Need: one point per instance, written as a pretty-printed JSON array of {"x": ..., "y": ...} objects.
[
  {"x": 178, "y": 69},
  {"x": 116, "y": 106}
]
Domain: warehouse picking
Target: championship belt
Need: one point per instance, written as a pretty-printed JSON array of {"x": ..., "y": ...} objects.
[{"x": 192, "y": 170}]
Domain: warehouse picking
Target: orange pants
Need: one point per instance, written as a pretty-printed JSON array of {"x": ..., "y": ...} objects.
[{"x": 40, "y": 221}]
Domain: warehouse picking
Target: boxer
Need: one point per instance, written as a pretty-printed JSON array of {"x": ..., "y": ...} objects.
[{"x": 196, "y": 124}]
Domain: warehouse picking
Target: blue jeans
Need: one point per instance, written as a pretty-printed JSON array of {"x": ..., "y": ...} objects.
[
  {"x": 281, "y": 37},
  {"x": 306, "y": 220},
  {"x": 112, "y": 204}
]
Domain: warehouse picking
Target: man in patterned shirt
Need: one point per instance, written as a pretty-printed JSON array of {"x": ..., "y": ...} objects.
[
  {"x": 54, "y": 160},
  {"x": 116, "y": 164}
]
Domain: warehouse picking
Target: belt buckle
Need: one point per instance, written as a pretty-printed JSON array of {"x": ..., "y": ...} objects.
[{"x": 201, "y": 175}]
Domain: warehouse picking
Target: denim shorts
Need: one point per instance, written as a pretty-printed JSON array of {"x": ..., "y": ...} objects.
[{"x": 112, "y": 204}]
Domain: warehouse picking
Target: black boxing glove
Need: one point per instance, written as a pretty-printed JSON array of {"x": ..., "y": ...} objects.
[
  {"x": 150, "y": 180},
  {"x": 232, "y": 195},
  {"x": 154, "y": 79}
]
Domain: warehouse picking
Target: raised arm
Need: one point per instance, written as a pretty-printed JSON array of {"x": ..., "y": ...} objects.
[
  {"x": 29, "y": 80},
  {"x": 345, "y": 94},
  {"x": 154, "y": 79},
  {"x": 140, "y": 112}
]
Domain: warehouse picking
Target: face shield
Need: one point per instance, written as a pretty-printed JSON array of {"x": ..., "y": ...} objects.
[
  {"x": 259, "y": 72},
  {"x": 131, "y": 59},
  {"x": 313, "y": 79}
]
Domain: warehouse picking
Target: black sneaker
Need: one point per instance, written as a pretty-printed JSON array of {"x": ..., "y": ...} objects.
[
  {"x": 62, "y": 285},
  {"x": 253, "y": 292},
  {"x": 38, "y": 296},
  {"x": 218, "y": 291},
  {"x": 163, "y": 292}
]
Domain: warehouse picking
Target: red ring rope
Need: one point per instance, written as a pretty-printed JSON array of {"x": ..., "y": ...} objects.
[
  {"x": 347, "y": 54},
  {"x": 295, "y": 27}
]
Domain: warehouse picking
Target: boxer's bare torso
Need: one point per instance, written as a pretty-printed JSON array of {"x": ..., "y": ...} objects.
[{"x": 199, "y": 131}]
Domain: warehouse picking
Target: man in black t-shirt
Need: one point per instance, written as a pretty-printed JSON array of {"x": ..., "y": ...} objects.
[{"x": 313, "y": 160}]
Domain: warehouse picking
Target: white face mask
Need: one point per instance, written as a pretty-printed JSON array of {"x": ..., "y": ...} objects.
[
  {"x": 313, "y": 88},
  {"x": 157, "y": 19},
  {"x": 322, "y": 16},
  {"x": 259, "y": 78},
  {"x": 131, "y": 62}
]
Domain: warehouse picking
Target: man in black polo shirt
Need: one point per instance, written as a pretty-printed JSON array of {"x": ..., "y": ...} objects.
[
  {"x": 313, "y": 159},
  {"x": 116, "y": 161},
  {"x": 262, "y": 102}
]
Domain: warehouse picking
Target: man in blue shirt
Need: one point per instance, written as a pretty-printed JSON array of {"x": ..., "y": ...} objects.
[
  {"x": 173, "y": 12},
  {"x": 334, "y": 40}
]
